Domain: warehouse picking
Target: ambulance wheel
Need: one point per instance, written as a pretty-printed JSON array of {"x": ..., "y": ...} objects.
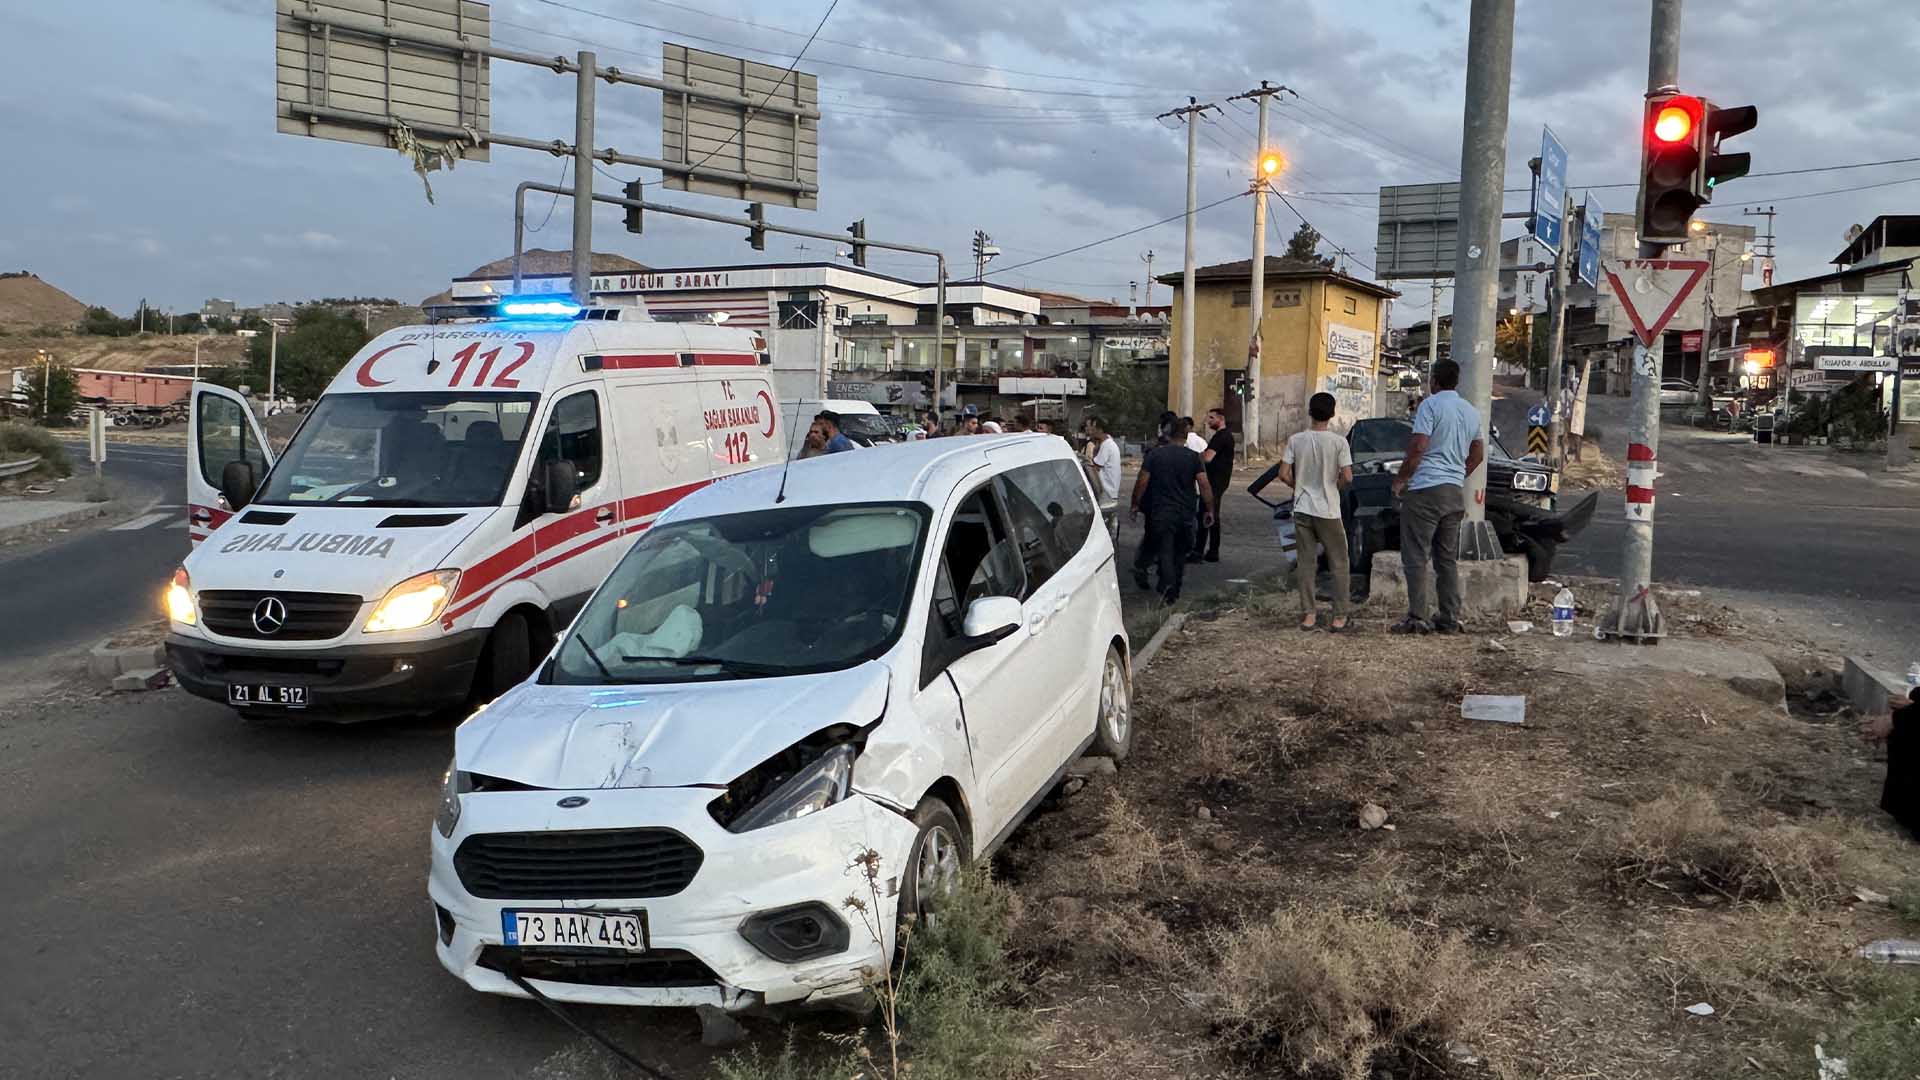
[{"x": 509, "y": 657}]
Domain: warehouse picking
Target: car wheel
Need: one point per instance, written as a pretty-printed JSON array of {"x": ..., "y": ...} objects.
[
  {"x": 1539, "y": 555},
  {"x": 509, "y": 656},
  {"x": 1113, "y": 727},
  {"x": 934, "y": 862}
]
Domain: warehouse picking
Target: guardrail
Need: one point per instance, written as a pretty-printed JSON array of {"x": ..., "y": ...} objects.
[{"x": 17, "y": 468}]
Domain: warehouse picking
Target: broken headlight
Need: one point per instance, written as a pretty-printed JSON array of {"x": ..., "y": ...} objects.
[
  {"x": 1529, "y": 481},
  {"x": 810, "y": 789}
]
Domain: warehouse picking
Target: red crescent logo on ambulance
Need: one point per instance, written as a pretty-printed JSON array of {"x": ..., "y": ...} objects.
[
  {"x": 364, "y": 376},
  {"x": 772, "y": 413}
]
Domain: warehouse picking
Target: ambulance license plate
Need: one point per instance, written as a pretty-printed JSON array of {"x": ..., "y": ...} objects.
[
  {"x": 248, "y": 695},
  {"x": 576, "y": 929}
]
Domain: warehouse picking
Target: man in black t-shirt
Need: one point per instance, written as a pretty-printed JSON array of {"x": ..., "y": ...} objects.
[
  {"x": 1168, "y": 478},
  {"x": 1219, "y": 463}
]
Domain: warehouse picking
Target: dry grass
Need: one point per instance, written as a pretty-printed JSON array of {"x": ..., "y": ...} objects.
[
  {"x": 1320, "y": 991},
  {"x": 1682, "y": 842},
  {"x": 1131, "y": 854}
]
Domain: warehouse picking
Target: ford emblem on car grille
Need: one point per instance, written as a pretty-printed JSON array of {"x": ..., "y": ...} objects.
[
  {"x": 571, "y": 802},
  {"x": 269, "y": 615}
]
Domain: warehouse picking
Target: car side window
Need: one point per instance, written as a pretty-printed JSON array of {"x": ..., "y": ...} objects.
[
  {"x": 573, "y": 435},
  {"x": 978, "y": 558},
  {"x": 226, "y": 436}
]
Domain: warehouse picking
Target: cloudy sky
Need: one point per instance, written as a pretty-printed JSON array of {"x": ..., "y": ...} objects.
[{"x": 142, "y": 158}]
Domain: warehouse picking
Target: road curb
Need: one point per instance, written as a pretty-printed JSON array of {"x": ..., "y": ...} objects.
[
  {"x": 10, "y": 533},
  {"x": 1145, "y": 656}
]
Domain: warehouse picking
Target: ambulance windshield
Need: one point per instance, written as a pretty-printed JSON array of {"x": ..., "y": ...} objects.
[
  {"x": 781, "y": 591},
  {"x": 402, "y": 449}
]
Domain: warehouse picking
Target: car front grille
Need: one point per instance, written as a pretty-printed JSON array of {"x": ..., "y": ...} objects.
[
  {"x": 309, "y": 617},
  {"x": 585, "y": 864},
  {"x": 661, "y": 967}
]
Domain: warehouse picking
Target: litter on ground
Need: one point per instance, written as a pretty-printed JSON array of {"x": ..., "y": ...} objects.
[{"x": 1499, "y": 708}]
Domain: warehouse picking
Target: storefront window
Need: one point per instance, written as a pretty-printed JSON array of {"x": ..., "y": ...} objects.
[{"x": 1841, "y": 321}]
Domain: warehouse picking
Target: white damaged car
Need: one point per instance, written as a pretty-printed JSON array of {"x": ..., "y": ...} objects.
[{"x": 898, "y": 649}]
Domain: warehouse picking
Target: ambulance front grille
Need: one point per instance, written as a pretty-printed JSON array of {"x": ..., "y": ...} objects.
[{"x": 309, "y": 616}]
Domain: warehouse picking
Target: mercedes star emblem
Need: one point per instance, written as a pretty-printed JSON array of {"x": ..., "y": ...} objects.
[{"x": 269, "y": 615}]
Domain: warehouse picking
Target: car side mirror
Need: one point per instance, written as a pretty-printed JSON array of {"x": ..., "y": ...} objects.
[
  {"x": 237, "y": 484},
  {"x": 990, "y": 620},
  {"x": 559, "y": 483}
]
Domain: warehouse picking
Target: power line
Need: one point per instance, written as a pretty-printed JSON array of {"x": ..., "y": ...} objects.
[
  {"x": 1358, "y": 126},
  {"x": 1118, "y": 236},
  {"x": 772, "y": 90},
  {"x": 565, "y": 164},
  {"x": 996, "y": 87},
  {"x": 1750, "y": 176},
  {"x": 1303, "y": 220}
]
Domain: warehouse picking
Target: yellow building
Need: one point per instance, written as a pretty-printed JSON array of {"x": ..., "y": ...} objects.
[{"x": 1321, "y": 331}]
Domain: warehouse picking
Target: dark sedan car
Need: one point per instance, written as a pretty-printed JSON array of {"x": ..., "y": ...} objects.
[{"x": 1521, "y": 503}]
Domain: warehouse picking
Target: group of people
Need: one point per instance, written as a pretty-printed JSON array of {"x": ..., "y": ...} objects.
[
  {"x": 825, "y": 437},
  {"x": 1183, "y": 475},
  {"x": 1176, "y": 489}
]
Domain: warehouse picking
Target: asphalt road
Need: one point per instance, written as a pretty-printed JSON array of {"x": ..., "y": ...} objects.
[{"x": 78, "y": 588}]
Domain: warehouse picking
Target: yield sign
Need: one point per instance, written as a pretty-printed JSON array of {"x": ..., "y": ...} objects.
[{"x": 1652, "y": 289}]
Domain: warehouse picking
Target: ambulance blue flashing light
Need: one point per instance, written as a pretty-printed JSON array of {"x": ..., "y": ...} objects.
[{"x": 547, "y": 306}]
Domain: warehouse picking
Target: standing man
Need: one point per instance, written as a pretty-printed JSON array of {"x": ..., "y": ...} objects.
[
  {"x": 1103, "y": 468},
  {"x": 1445, "y": 447},
  {"x": 837, "y": 442},
  {"x": 1218, "y": 458},
  {"x": 1317, "y": 464},
  {"x": 1165, "y": 490}
]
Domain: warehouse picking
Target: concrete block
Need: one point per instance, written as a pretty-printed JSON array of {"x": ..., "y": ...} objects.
[
  {"x": 1488, "y": 589},
  {"x": 1746, "y": 672},
  {"x": 1868, "y": 688},
  {"x": 104, "y": 661},
  {"x": 142, "y": 679}
]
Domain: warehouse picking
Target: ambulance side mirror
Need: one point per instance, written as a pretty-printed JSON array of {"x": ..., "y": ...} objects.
[
  {"x": 237, "y": 484},
  {"x": 558, "y": 484}
]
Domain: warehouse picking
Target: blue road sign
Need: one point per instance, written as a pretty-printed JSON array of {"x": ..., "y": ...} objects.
[
  {"x": 1550, "y": 191},
  {"x": 1537, "y": 416},
  {"x": 1591, "y": 219}
]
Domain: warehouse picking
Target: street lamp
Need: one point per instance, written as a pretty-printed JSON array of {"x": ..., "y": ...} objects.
[{"x": 1271, "y": 163}]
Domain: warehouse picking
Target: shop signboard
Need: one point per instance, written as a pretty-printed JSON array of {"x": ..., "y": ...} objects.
[
  {"x": 1348, "y": 345},
  {"x": 1043, "y": 387}
]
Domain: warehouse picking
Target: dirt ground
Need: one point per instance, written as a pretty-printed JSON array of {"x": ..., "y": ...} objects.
[{"x": 1543, "y": 900}]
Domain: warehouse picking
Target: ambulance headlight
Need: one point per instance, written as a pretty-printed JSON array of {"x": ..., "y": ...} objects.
[
  {"x": 180, "y": 599},
  {"x": 414, "y": 602}
]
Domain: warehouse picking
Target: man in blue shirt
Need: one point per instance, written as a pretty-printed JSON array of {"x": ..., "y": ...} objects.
[
  {"x": 1445, "y": 448},
  {"x": 836, "y": 441}
]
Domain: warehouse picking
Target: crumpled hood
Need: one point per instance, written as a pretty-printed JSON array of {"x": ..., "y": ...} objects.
[
  {"x": 570, "y": 738},
  {"x": 335, "y": 549}
]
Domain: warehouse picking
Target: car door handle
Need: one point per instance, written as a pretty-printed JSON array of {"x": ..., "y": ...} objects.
[{"x": 604, "y": 516}]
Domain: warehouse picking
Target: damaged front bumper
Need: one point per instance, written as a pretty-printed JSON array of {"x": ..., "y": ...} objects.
[{"x": 706, "y": 943}]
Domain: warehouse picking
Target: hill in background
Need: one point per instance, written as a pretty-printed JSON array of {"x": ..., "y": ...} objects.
[{"x": 27, "y": 303}]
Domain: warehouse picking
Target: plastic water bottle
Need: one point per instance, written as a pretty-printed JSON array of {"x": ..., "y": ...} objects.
[{"x": 1563, "y": 615}]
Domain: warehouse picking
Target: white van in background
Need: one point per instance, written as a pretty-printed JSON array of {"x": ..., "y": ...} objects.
[
  {"x": 859, "y": 421},
  {"x": 449, "y": 503}
]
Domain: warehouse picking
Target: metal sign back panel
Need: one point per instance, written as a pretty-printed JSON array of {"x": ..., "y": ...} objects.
[
  {"x": 723, "y": 135},
  {"x": 1590, "y": 220},
  {"x": 342, "y": 80},
  {"x": 1550, "y": 191},
  {"x": 1419, "y": 229}
]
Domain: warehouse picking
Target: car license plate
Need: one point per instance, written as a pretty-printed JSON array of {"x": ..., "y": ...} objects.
[
  {"x": 249, "y": 694},
  {"x": 576, "y": 929}
]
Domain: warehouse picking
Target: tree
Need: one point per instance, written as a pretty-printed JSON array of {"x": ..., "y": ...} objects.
[
  {"x": 1511, "y": 342},
  {"x": 1304, "y": 247},
  {"x": 311, "y": 354},
  {"x": 51, "y": 393},
  {"x": 1129, "y": 398},
  {"x": 100, "y": 321}
]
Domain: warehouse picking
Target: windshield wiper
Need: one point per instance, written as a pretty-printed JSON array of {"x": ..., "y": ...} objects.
[
  {"x": 593, "y": 656},
  {"x": 740, "y": 667}
]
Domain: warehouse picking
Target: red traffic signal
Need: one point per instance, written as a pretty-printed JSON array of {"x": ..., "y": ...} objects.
[
  {"x": 1676, "y": 119},
  {"x": 1674, "y": 145}
]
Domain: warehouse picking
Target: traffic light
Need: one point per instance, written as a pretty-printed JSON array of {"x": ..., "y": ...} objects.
[
  {"x": 757, "y": 230},
  {"x": 633, "y": 212},
  {"x": 1720, "y": 168},
  {"x": 1670, "y": 166},
  {"x": 859, "y": 231}
]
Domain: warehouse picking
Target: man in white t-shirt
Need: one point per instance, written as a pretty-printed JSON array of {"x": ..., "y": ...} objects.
[
  {"x": 1317, "y": 463},
  {"x": 1103, "y": 470}
]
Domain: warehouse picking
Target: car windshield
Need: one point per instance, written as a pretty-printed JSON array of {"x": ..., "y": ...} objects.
[
  {"x": 1379, "y": 437},
  {"x": 865, "y": 425},
  {"x": 407, "y": 449},
  {"x": 780, "y": 591}
]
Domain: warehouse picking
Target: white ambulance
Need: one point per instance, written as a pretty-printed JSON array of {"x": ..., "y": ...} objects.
[{"x": 449, "y": 503}]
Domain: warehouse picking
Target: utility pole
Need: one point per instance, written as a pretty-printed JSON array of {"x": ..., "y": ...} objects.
[
  {"x": 1148, "y": 256},
  {"x": 196, "y": 358},
  {"x": 1264, "y": 167},
  {"x": 1557, "y": 327},
  {"x": 1476, "y": 276},
  {"x": 1433, "y": 328},
  {"x": 1764, "y": 240},
  {"x": 273, "y": 359},
  {"x": 1189, "y": 113},
  {"x": 1635, "y": 615},
  {"x": 583, "y": 177}
]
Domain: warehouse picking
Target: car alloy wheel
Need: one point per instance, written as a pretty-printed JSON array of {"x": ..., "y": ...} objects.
[
  {"x": 1116, "y": 710},
  {"x": 936, "y": 873}
]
